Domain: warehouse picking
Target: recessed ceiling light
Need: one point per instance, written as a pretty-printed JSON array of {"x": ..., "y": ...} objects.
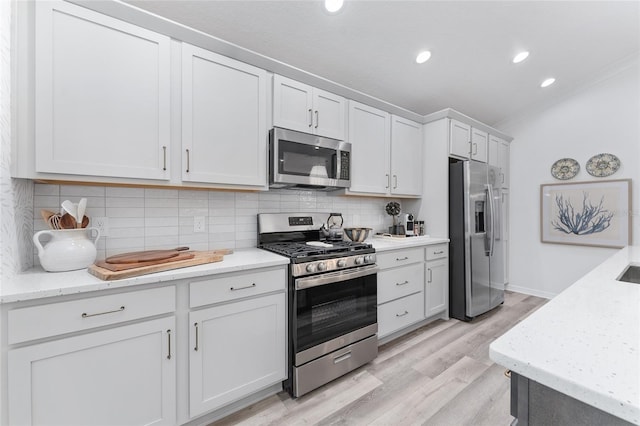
[
  {"x": 548, "y": 82},
  {"x": 333, "y": 5},
  {"x": 423, "y": 57},
  {"x": 520, "y": 57}
]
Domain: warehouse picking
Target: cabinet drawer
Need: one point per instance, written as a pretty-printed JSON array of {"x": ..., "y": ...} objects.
[
  {"x": 401, "y": 313},
  {"x": 399, "y": 257},
  {"x": 437, "y": 251},
  {"x": 235, "y": 286},
  {"x": 396, "y": 283},
  {"x": 37, "y": 322}
]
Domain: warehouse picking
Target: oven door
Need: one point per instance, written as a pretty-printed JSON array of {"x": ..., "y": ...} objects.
[{"x": 331, "y": 305}]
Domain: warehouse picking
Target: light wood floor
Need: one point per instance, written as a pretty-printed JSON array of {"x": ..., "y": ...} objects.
[{"x": 440, "y": 374}]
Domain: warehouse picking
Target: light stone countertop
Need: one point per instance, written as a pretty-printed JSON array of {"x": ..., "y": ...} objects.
[
  {"x": 585, "y": 342},
  {"x": 382, "y": 244},
  {"x": 37, "y": 283}
]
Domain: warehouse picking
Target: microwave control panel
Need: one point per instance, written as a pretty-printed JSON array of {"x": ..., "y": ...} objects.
[{"x": 344, "y": 165}]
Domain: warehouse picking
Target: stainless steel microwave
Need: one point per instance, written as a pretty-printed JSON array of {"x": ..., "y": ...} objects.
[{"x": 301, "y": 160}]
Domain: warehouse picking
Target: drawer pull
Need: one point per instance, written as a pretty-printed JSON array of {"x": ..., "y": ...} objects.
[
  {"x": 430, "y": 274},
  {"x": 169, "y": 340},
  {"x": 86, "y": 315},
  {"x": 243, "y": 288},
  {"x": 403, "y": 314},
  {"x": 404, "y": 283},
  {"x": 439, "y": 252},
  {"x": 196, "y": 326},
  {"x": 400, "y": 259},
  {"x": 164, "y": 161},
  {"x": 507, "y": 373},
  {"x": 342, "y": 357}
]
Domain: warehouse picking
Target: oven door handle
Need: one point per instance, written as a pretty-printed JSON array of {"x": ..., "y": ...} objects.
[{"x": 334, "y": 277}]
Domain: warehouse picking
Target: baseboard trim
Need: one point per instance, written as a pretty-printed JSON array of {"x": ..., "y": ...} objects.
[{"x": 530, "y": 291}]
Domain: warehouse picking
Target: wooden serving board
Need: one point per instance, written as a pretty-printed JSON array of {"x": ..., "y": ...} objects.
[
  {"x": 198, "y": 258},
  {"x": 145, "y": 256}
]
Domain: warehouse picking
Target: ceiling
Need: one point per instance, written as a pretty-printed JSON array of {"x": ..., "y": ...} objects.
[{"x": 370, "y": 46}]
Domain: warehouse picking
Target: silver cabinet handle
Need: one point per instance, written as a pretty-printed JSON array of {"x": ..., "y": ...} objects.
[
  {"x": 196, "y": 326},
  {"x": 317, "y": 119},
  {"x": 169, "y": 340},
  {"x": 430, "y": 275},
  {"x": 395, "y": 185},
  {"x": 404, "y": 283},
  {"x": 470, "y": 148},
  {"x": 402, "y": 314},
  {"x": 164, "y": 155},
  {"x": 400, "y": 259},
  {"x": 475, "y": 145},
  {"x": 388, "y": 181},
  {"x": 310, "y": 117},
  {"x": 86, "y": 315},
  {"x": 439, "y": 252},
  {"x": 187, "y": 161},
  {"x": 242, "y": 288}
]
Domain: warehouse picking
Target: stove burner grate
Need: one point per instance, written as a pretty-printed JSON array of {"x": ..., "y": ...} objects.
[{"x": 302, "y": 249}]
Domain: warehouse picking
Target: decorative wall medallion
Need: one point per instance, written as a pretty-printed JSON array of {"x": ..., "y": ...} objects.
[
  {"x": 565, "y": 168},
  {"x": 603, "y": 165}
]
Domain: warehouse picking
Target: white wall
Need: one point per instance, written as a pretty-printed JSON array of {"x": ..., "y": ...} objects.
[{"x": 602, "y": 117}]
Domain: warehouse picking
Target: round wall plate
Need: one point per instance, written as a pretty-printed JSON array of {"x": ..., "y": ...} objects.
[
  {"x": 565, "y": 168},
  {"x": 603, "y": 165}
]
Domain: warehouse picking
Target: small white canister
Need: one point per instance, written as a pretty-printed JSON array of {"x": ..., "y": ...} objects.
[{"x": 68, "y": 249}]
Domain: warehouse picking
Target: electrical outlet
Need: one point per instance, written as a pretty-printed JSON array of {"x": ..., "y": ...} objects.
[
  {"x": 102, "y": 223},
  {"x": 198, "y": 224}
]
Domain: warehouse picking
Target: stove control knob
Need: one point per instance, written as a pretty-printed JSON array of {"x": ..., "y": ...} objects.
[
  {"x": 322, "y": 266},
  {"x": 311, "y": 267},
  {"x": 368, "y": 258},
  {"x": 359, "y": 260},
  {"x": 342, "y": 263}
]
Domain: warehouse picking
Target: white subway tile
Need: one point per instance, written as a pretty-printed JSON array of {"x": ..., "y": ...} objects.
[
  {"x": 230, "y": 244},
  {"x": 161, "y": 202},
  {"x": 124, "y": 192},
  {"x": 162, "y": 242},
  {"x": 46, "y": 189},
  {"x": 126, "y": 222},
  {"x": 124, "y": 243},
  {"x": 48, "y": 202},
  {"x": 160, "y": 193},
  {"x": 117, "y": 212},
  {"x": 193, "y": 203},
  {"x": 223, "y": 220},
  {"x": 81, "y": 191},
  {"x": 159, "y": 221},
  {"x": 154, "y": 212},
  {"x": 221, "y": 196},
  {"x": 157, "y": 231},
  {"x": 126, "y": 232},
  {"x": 222, "y": 236},
  {"x": 222, "y": 211},
  {"x": 185, "y": 194},
  {"x": 124, "y": 202}
]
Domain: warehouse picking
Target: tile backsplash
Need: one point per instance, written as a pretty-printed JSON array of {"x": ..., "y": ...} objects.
[{"x": 143, "y": 219}]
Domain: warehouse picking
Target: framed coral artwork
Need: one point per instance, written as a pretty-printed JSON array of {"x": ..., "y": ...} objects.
[{"x": 594, "y": 213}]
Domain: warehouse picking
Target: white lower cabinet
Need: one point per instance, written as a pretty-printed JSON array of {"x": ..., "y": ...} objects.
[
  {"x": 436, "y": 280},
  {"x": 235, "y": 349},
  {"x": 400, "y": 289},
  {"x": 125, "y": 375}
]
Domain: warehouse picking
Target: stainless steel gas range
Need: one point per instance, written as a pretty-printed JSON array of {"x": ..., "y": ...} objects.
[{"x": 332, "y": 297}]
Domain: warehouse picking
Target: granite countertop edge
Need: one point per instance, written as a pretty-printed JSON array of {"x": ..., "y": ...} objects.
[{"x": 585, "y": 342}]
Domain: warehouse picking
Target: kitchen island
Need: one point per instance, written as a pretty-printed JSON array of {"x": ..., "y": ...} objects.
[{"x": 582, "y": 347}]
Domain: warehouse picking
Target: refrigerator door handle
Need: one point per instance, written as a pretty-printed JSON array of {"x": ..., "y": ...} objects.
[{"x": 492, "y": 222}]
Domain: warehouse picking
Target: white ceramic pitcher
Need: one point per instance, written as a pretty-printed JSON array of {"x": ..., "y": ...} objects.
[{"x": 68, "y": 249}]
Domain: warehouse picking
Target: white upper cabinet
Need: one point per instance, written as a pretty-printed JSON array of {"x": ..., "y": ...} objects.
[
  {"x": 386, "y": 152},
  {"x": 406, "y": 157},
  {"x": 467, "y": 142},
  {"x": 102, "y": 95},
  {"x": 370, "y": 138},
  {"x": 300, "y": 107},
  {"x": 499, "y": 157},
  {"x": 224, "y": 129}
]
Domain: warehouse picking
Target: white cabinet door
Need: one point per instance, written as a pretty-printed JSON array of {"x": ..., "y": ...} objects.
[
  {"x": 406, "y": 157},
  {"x": 125, "y": 375},
  {"x": 479, "y": 142},
  {"x": 503, "y": 162},
  {"x": 329, "y": 114},
  {"x": 102, "y": 95},
  {"x": 459, "y": 139},
  {"x": 494, "y": 151},
  {"x": 370, "y": 138},
  {"x": 292, "y": 104},
  {"x": 224, "y": 133},
  {"x": 235, "y": 349},
  {"x": 437, "y": 286},
  {"x": 298, "y": 106}
]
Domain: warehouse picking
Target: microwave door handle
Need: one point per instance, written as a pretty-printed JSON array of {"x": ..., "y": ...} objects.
[{"x": 492, "y": 221}]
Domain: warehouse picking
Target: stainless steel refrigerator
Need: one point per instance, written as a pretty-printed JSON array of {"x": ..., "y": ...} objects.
[{"x": 474, "y": 231}]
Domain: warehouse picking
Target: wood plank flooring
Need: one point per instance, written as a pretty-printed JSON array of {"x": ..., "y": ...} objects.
[{"x": 440, "y": 374}]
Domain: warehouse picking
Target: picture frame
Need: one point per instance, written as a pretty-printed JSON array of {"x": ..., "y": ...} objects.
[{"x": 591, "y": 213}]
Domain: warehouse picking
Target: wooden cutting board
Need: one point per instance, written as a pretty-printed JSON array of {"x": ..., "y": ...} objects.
[
  {"x": 144, "y": 256},
  {"x": 196, "y": 258}
]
